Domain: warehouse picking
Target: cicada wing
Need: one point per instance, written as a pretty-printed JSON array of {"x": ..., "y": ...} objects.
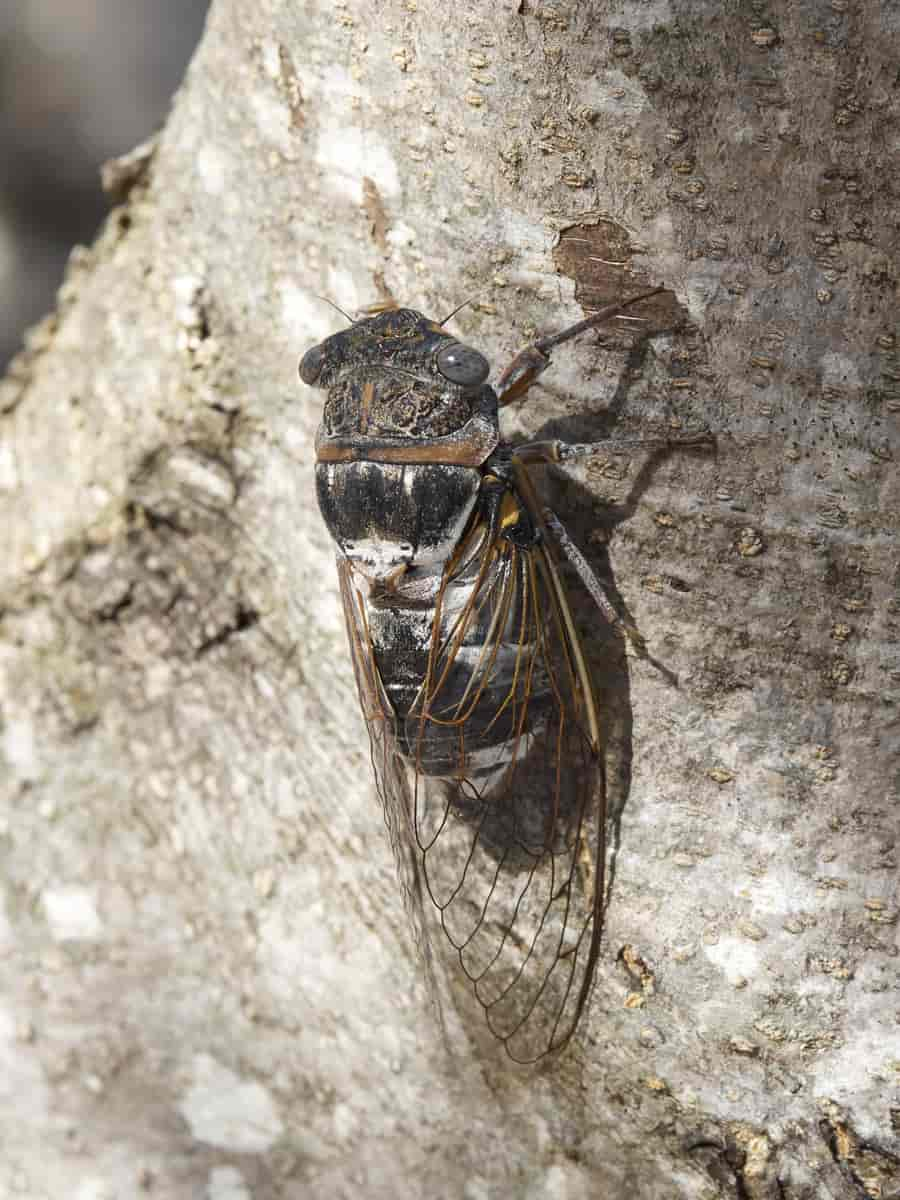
[
  {"x": 392, "y": 772},
  {"x": 509, "y": 794}
]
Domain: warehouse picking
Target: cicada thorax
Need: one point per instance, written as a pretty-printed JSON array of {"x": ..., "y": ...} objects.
[
  {"x": 378, "y": 403},
  {"x": 407, "y": 423}
]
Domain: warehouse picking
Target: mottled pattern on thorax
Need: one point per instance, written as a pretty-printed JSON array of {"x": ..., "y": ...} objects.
[
  {"x": 382, "y": 402},
  {"x": 382, "y": 380}
]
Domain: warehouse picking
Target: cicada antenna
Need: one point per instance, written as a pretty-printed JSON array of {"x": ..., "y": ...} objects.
[
  {"x": 336, "y": 307},
  {"x": 458, "y": 308}
]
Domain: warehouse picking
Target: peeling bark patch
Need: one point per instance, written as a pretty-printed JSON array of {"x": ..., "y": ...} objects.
[
  {"x": 379, "y": 224},
  {"x": 225, "y": 1111},
  {"x": 598, "y": 259},
  {"x": 290, "y": 85},
  {"x": 379, "y": 231}
]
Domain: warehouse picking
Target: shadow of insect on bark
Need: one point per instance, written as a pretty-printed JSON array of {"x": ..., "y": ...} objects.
[{"x": 592, "y": 524}]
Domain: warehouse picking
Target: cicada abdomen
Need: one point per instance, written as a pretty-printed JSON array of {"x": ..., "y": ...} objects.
[{"x": 487, "y": 717}]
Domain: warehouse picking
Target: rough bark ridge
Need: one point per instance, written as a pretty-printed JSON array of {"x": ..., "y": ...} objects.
[{"x": 206, "y": 981}]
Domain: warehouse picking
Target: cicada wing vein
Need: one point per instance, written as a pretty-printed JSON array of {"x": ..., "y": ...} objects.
[
  {"x": 390, "y": 769},
  {"x": 492, "y": 782},
  {"x": 509, "y": 802}
]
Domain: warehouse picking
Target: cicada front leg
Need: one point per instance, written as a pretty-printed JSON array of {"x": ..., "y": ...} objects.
[
  {"x": 531, "y": 362},
  {"x": 563, "y": 453}
]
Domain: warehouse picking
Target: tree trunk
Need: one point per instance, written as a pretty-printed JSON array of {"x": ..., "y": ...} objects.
[{"x": 207, "y": 978}]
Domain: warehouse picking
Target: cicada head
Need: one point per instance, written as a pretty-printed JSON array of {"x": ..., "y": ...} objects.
[{"x": 396, "y": 375}]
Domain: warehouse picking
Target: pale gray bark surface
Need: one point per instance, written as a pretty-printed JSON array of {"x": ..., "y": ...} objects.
[{"x": 207, "y": 986}]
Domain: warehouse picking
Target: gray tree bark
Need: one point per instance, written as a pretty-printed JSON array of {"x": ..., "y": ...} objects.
[{"x": 207, "y": 984}]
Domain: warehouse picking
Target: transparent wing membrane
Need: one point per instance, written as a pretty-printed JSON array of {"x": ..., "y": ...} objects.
[{"x": 492, "y": 779}]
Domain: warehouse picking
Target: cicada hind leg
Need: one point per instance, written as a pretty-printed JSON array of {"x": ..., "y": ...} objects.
[{"x": 564, "y": 453}]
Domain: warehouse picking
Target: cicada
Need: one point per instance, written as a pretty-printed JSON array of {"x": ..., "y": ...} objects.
[{"x": 484, "y": 729}]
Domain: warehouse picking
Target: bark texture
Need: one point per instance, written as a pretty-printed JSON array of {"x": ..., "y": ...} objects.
[{"x": 207, "y": 986}]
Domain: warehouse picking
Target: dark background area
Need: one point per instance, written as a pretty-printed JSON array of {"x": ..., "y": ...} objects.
[{"x": 81, "y": 81}]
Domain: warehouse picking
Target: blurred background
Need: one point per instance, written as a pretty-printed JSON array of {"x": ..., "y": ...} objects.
[{"x": 81, "y": 81}]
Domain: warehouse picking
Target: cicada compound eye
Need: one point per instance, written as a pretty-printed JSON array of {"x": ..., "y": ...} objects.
[
  {"x": 463, "y": 365},
  {"x": 311, "y": 364}
]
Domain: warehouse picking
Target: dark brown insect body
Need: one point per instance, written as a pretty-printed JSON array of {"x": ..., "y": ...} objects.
[{"x": 483, "y": 725}]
